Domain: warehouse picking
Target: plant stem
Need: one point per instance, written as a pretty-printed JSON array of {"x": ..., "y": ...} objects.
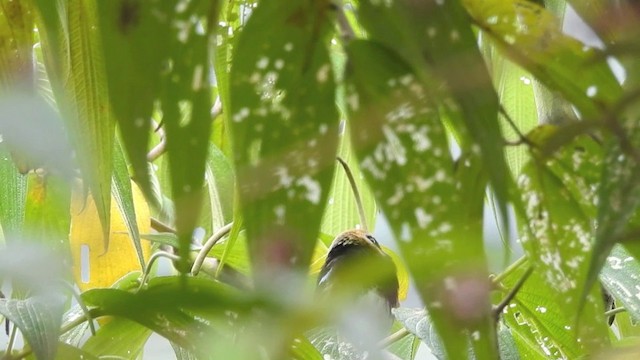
[
  {"x": 159, "y": 226},
  {"x": 516, "y": 264},
  {"x": 12, "y": 339},
  {"x": 512, "y": 294},
  {"x": 152, "y": 260},
  {"x": 396, "y": 336},
  {"x": 356, "y": 193},
  {"x": 208, "y": 245},
  {"x": 614, "y": 311}
]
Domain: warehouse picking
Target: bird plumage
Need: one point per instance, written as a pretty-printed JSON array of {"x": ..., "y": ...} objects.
[{"x": 356, "y": 265}]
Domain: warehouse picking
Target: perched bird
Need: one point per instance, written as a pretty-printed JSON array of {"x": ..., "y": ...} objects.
[{"x": 358, "y": 272}]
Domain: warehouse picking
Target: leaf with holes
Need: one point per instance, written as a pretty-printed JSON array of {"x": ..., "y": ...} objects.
[
  {"x": 403, "y": 151},
  {"x": 556, "y": 234},
  {"x": 620, "y": 275},
  {"x": 186, "y": 101},
  {"x": 284, "y": 125},
  {"x": 447, "y": 58}
]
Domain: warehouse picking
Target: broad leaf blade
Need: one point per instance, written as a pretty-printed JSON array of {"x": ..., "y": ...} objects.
[
  {"x": 119, "y": 338},
  {"x": 135, "y": 51},
  {"x": 186, "y": 102},
  {"x": 404, "y": 154},
  {"x": 284, "y": 125},
  {"x": 39, "y": 319}
]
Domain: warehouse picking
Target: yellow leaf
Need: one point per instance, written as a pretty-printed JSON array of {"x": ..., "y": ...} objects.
[{"x": 92, "y": 267}]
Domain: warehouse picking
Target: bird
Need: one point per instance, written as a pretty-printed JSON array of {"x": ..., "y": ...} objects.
[{"x": 358, "y": 272}]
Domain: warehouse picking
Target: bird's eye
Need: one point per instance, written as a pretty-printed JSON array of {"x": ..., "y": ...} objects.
[{"x": 373, "y": 240}]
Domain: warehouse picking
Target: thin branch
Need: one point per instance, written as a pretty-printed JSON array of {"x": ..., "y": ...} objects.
[
  {"x": 157, "y": 151},
  {"x": 152, "y": 260},
  {"x": 208, "y": 245},
  {"x": 84, "y": 308},
  {"x": 496, "y": 279},
  {"x": 159, "y": 226},
  {"x": 522, "y": 139},
  {"x": 12, "y": 339},
  {"x": 396, "y": 336},
  {"x": 497, "y": 310},
  {"x": 356, "y": 193},
  {"x": 216, "y": 110},
  {"x": 347, "y": 33},
  {"x": 614, "y": 311}
]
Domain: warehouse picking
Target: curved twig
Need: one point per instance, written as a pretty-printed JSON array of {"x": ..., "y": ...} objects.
[
  {"x": 356, "y": 193},
  {"x": 152, "y": 260},
  {"x": 208, "y": 245}
]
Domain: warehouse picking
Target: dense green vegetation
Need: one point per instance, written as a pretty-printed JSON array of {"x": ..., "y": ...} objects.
[{"x": 206, "y": 132}]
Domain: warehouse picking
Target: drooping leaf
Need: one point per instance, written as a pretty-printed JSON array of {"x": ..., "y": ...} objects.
[
  {"x": 186, "y": 111},
  {"x": 284, "y": 127},
  {"x": 124, "y": 197},
  {"x": 135, "y": 53},
  {"x": 404, "y": 154},
  {"x": 38, "y": 319}
]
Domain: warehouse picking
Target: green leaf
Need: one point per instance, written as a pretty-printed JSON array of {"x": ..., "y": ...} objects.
[
  {"x": 39, "y": 319},
  {"x": 403, "y": 152},
  {"x": 180, "y": 312},
  {"x": 47, "y": 215},
  {"x": 233, "y": 252},
  {"x": 284, "y": 123},
  {"x": 532, "y": 37},
  {"x": 407, "y": 347},
  {"x": 119, "y": 338},
  {"x": 135, "y": 51},
  {"x": 620, "y": 276},
  {"x": 341, "y": 212},
  {"x": 16, "y": 43},
  {"x": 303, "y": 349},
  {"x": 618, "y": 196},
  {"x": 170, "y": 239},
  {"x": 186, "y": 112},
  {"x": 515, "y": 88},
  {"x": 182, "y": 354},
  {"x": 88, "y": 115},
  {"x": 418, "y": 323},
  {"x": 448, "y": 57},
  {"x": 220, "y": 185},
  {"x": 13, "y": 189},
  {"x": 538, "y": 322},
  {"x": 66, "y": 352},
  {"x": 556, "y": 234},
  {"x": 123, "y": 195}
]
